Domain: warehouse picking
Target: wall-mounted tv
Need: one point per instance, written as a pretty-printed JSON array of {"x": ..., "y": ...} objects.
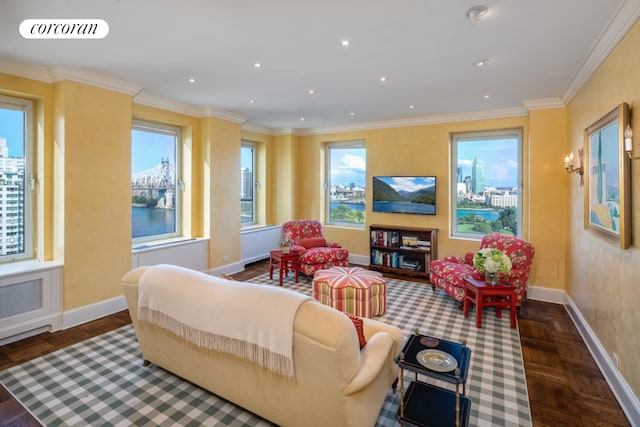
[{"x": 405, "y": 194}]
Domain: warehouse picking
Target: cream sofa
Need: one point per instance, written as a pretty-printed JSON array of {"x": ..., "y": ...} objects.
[{"x": 335, "y": 383}]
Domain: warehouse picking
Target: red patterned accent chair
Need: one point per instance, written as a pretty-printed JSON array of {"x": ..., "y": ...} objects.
[
  {"x": 449, "y": 273},
  {"x": 314, "y": 252}
]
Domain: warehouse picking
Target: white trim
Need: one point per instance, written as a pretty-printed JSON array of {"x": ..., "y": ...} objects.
[
  {"x": 622, "y": 21},
  {"x": 186, "y": 109},
  {"x": 143, "y": 98},
  {"x": 27, "y": 71},
  {"x": 87, "y": 313},
  {"x": 417, "y": 121},
  {"x": 542, "y": 104},
  {"x": 64, "y": 72},
  {"x": 359, "y": 259},
  {"x": 556, "y": 296},
  {"x": 233, "y": 268},
  {"x": 627, "y": 400}
]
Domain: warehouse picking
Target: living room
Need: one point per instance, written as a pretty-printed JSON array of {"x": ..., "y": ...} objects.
[{"x": 83, "y": 134}]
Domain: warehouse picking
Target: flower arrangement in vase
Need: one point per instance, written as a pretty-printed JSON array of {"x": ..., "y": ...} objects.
[
  {"x": 285, "y": 245},
  {"x": 492, "y": 262}
]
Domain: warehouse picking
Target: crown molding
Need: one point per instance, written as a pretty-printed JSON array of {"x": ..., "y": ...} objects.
[
  {"x": 416, "y": 121},
  {"x": 225, "y": 115},
  {"x": 63, "y": 72},
  {"x": 165, "y": 104},
  {"x": 258, "y": 129},
  {"x": 542, "y": 104},
  {"x": 27, "y": 71},
  {"x": 622, "y": 21}
]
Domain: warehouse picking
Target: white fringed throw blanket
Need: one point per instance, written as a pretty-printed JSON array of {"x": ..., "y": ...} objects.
[{"x": 253, "y": 322}]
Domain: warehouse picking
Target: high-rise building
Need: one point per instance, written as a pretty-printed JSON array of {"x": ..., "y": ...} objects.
[
  {"x": 246, "y": 184},
  {"x": 477, "y": 176},
  {"x": 11, "y": 202}
]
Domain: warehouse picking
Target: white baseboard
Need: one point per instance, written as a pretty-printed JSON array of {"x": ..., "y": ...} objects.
[
  {"x": 556, "y": 296},
  {"x": 87, "y": 313},
  {"x": 625, "y": 396},
  {"x": 359, "y": 259}
]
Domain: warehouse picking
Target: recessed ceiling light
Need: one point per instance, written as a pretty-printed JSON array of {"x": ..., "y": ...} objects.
[
  {"x": 476, "y": 13},
  {"x": 411, "y": 107},
  {"x": 302, "y": 119},
  {"x": 257, "y": 65},
  {"x": 192, "y": 80},
  {"x": 481, "y": 63},
  {"x": 487, "y": 96},
  {"x": 251, "y": 101},
  {"x": 352, "y": 113},
  {"x": 345, "y": 42},
  {"x": 383, "y": 79},
  {"x": 311, "y": 91}
]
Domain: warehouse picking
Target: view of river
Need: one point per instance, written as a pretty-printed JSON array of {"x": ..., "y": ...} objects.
[
  {"x": 487, "y": 214},
  {"x": 150, "y": 221}
]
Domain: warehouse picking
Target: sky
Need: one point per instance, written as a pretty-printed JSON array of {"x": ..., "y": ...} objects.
[
  {"x": 148, "y": 149},
  {"x": 500, "y": 160},
  {"x": 13, "y": 133},
  {"x": 348, "y": 165}
]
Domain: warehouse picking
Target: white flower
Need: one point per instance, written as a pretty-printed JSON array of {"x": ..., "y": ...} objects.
[{"x": 492, "y": 260}]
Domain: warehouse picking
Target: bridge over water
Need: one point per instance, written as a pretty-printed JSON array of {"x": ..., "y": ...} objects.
[{"x": 157, "y": 182}]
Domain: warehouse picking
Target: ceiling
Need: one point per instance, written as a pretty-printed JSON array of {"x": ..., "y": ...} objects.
[{"x": 539, "y": 53}]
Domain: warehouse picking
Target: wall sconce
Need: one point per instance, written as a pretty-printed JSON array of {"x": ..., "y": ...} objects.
[
  {"x": 628, "y": 142},
  {"x": 568, "y": 163}
]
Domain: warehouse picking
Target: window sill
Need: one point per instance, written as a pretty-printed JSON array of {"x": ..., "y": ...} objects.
[
  {"x": 28, "y": 266},
  {"x": 160, "y": 244}
]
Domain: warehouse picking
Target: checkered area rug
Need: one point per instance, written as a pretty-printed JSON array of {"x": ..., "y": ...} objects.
[{"x": 101, "y": 381}]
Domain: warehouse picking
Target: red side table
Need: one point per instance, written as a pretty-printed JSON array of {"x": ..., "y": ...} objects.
[
  {"x": 285, "y": 263},
  {"x": 484, "y": 295}
]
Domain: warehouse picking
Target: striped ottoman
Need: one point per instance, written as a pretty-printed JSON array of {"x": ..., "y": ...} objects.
[{"x": 351, "y": 290}]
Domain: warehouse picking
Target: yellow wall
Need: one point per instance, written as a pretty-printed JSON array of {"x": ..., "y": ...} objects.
[
  {"x": 602, "y": 279},
  {"x": 222, "y": 190},
  {"x": 93, "y": 171}
]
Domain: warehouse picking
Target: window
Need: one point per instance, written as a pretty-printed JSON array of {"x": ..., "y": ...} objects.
[
  {"x": 155, "y": 195},
  {"x": 16, "y": 179},
  {"x": 247, "y": 183},
  {"x": 347, "y": 167},
  {"x": 486, "y": 191}
]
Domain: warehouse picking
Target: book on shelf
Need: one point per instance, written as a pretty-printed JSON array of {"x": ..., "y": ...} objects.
[
  {"x": 385, "y": 238},
  {"x": 387, "y": 259},
  {"x": 410, "y": 241}
]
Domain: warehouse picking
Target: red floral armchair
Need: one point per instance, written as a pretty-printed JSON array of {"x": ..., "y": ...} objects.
[
  {"x": 449, "y": 273},
  {"x": 314, "y": 252}
]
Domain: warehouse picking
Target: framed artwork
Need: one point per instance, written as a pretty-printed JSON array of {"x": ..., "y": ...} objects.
[{"x": 607, "y": 190}]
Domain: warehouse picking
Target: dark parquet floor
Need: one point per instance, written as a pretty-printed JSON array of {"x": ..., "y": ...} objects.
[{"x": 565, "y": 385}]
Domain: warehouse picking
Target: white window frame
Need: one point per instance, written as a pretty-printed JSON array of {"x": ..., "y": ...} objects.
[
  {"x": 29, "y": 179},
  {"x": 254, "y": 186},
  {"x": 480, "y": 136},
  {"x": 147, "y": 126},
  {"x": 327, "y": 185}
]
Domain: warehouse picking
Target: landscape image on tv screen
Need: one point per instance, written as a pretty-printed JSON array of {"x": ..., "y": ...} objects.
[{"x": 405, "y": 194}]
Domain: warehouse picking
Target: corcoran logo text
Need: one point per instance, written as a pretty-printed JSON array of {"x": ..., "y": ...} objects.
[{"x": 64, "y": 29}]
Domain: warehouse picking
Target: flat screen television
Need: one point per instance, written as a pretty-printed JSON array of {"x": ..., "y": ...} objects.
[{"x": 405, "y": 194}]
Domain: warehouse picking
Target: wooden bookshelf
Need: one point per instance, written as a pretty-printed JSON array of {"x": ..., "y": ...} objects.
[{"x": 403, "y": 250}]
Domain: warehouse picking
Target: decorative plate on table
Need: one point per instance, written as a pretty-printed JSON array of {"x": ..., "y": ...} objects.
[{"x": 437, "y": 360}]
